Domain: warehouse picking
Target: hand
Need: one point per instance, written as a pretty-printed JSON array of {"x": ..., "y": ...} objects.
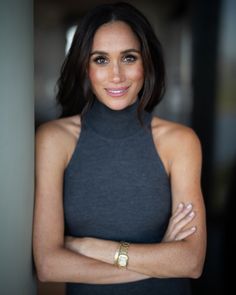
[
  {"x": 73, "y": 243},
  {"x": 99, "y": 249},
  {"x": 84, "y": 246},
  {"x": 176, "y": 229}
]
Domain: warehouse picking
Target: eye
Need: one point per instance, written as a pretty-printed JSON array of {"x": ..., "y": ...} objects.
[
  {"x": 100, "y": 60},
  {"x": 129, "y": 58}
]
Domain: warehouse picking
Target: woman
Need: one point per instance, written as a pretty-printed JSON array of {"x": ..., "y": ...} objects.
[{"x": 119, "y": 208}]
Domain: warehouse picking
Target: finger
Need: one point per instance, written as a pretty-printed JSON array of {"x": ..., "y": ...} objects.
[
  {"x": 175, "y": 217},
  {"x": 178, "y": 227},
  {"x": 186, "y": 210},
  {"x": 186, "y": 233},
  {"x": 179, "y": 208}
]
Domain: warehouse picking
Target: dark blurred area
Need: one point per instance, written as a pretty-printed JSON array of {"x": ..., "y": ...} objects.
[{"x": 199, "y": 43}]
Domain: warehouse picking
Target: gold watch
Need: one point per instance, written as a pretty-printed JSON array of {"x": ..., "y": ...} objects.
[{"x": 121, "y": 257}]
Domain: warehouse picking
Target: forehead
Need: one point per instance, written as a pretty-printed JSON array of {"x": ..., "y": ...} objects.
[{"x": 115, "y": 35}]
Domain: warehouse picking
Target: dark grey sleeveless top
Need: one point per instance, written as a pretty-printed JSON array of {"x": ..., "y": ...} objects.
[{"x": 116, "y": 188}]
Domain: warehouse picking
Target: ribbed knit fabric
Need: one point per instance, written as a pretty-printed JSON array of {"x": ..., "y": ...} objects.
[{"x": 116, "y": 188}]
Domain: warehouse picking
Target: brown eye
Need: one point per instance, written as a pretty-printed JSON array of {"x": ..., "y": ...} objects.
[
  {"x": 129, "y": 58},
  {"x": 101, "y": 60}
]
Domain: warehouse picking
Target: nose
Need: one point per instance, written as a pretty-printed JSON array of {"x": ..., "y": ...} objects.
[{"x": 117, "y": 73}]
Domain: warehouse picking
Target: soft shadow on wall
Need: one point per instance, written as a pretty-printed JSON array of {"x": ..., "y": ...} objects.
[{"x": 199, "y": 45}]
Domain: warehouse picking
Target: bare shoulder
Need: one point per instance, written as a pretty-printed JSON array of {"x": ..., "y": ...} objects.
[
  {"x": 174, "y": 133},
  {"x": 174, "y": 140},
  {"x": 64, "y": 127},
  {"x": 59, "y": 136}
]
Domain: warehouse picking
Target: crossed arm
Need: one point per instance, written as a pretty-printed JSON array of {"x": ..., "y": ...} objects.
[
  {"x": 67, "y": 259},
  {"x": 176, "y": 233}
]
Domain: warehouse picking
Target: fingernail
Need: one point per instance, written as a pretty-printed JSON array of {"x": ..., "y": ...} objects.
[
  {"x": 180, "y": 205},
  {"x": 193, "y": 228},
  {"x": 191, "y": 214},
  {"x": 189, "y": 206}
]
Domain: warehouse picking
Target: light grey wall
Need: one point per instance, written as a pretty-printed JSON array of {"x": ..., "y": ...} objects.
[{"x": 16, "y": 147}]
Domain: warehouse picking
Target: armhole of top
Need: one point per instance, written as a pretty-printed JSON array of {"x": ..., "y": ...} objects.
[
  {"x": 74, "y": 153},
  {"x": 158, "y": 153}
]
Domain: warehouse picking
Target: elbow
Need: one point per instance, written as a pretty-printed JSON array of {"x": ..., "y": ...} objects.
[
  {"x": 196, "y": 269},
  {"x": 196, "y": 259},
  {"x": 195, "y": 274},
  {"x": 47, "y": 264},
  {"x": 44, "y": 270},
  {"x": 42, "y": 277},
  {"x": 42, "y": 273}
]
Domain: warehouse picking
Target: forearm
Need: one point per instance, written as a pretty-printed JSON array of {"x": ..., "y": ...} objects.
[
  {"x": 162, "y": 260},
  {"x": 180, "y": 254},
  {"x": 63, "y": 265}
]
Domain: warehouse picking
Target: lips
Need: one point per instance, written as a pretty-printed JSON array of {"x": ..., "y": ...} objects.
[{"x": 116, "y": 92}]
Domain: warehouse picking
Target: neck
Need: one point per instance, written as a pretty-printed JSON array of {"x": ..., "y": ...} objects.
[{"x": 114, "y": 124}]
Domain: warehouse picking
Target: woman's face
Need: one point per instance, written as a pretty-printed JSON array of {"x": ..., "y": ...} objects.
[{"x": 115, "y": 66}]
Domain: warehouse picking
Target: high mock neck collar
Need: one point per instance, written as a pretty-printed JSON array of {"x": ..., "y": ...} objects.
[{"x": 114, "y": 124}]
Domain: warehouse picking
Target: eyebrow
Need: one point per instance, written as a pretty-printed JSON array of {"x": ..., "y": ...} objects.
[{"x": 122, "y": 52}]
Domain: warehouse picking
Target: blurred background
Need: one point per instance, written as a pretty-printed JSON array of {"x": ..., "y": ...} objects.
[{"x": 199, "y": 43}]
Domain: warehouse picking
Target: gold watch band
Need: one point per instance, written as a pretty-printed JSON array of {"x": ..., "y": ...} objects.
[{"x": 121, "y": 256}]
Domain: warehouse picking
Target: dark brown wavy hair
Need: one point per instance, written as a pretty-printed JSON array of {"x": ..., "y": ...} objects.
[{"x": 74, "y": 94}]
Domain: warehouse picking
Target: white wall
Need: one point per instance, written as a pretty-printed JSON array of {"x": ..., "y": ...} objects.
[{"x": 16, "y": 147}]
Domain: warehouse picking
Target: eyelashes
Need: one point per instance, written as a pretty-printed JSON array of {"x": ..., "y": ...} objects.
[
  {"x": 100, "y": 60},
  {"x": 130, "y": 58},
  {"x": 103, "y": 60}
]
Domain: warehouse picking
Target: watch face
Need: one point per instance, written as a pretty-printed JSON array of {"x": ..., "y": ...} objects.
[{"x": 123, "y": 259}]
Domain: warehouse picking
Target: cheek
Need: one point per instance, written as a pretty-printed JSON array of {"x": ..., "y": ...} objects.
[
  {"x": 96, "y": 76},
  {"x": 136, "y": 74}
]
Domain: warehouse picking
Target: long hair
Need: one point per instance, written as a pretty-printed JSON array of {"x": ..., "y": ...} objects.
[{"x": 74, "y": 90}]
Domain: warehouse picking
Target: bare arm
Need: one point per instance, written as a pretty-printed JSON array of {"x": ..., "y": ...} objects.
[
  {"x": 53, "y": 261},
  {"x": 183, "y": 257}
]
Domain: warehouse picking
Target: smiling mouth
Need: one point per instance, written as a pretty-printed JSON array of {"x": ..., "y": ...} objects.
[{"x": 117, "y": 91}]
